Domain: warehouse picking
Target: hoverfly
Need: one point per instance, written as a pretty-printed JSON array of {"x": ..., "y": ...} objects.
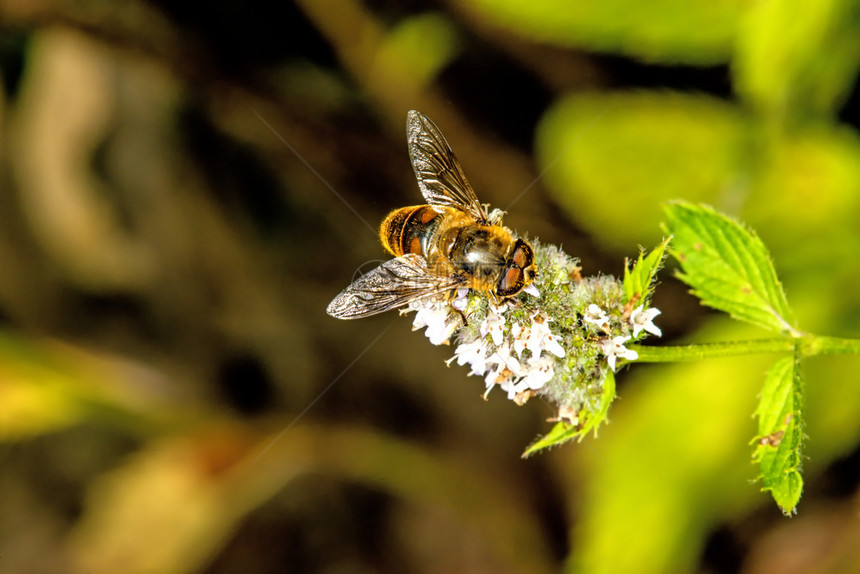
[{"x": 449, "y": 243}]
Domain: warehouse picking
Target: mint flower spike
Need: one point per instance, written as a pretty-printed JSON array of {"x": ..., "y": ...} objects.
[{"x": 559, "y": 340}]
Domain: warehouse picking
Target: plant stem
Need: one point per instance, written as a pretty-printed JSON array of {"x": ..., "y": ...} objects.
[
  {"x": 807, "y": 346},
  {"x": 817, "y": 345},
  {"x": 712, "y": 350}
]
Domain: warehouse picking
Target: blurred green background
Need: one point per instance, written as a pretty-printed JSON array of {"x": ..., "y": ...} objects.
[{"x": 183, "y": 189}]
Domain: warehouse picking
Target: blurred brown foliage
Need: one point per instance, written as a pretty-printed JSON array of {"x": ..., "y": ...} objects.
[{"x": 182, "y": 190}]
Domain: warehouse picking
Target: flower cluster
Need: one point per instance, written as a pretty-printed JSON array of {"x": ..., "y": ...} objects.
[
  {"x": 560, "y": 339},
  {"x": 519, "y": 359}
]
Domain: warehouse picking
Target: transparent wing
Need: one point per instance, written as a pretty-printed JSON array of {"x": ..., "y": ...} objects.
[
  {"x": 439, "y": 174},
  {"x": 393, "y": 284}
]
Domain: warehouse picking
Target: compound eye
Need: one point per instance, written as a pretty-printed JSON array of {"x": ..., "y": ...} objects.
[
  {"x": 510, "y": 283},
  {"x": 522, "y": 256}
]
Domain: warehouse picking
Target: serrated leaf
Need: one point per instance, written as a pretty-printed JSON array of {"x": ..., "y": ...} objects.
[
  {"x": 592, "y": 421},
  {"x": 560, "y": 434},
  {"x": 727, "y": 266},
  {"x": 671, "y": 468},
  {"x": 563, "y": 432},
  {"x": 639, "y": 279},
  {"x": 780, "y": 435}
]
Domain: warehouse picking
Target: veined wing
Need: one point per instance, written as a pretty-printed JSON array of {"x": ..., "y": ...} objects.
[
  {"x": 439, "y": 174},
  {"x": 393, "y": 284}
]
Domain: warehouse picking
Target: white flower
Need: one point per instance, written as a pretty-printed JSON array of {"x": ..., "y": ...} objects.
[
  {"x": 541, "y": 338},
  {"x": 505, "y": 369},
  {"x": 494, "y": 324},
  {"x": 536, "y": 338},
  {"x": 440, "y": 323},
  {"x": 533, "y": 377},
  {"x": 517, "y": 379},
  {"x": 504, "y": 365},
  {"x": 532, "y": 290},
  {"x": 461, "y": 299},
  {"x": 614, "y": 348},
  {"x": 596, "y": 316},
  {"x": 475, "y": 354},
  {"x": 539, "y": 373},
  {"x": 641, "y": 319}
]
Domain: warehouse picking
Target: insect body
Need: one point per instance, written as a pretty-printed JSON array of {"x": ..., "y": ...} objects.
[
  {"x": 483, "y": 257},
  {"x": 449, "y": 243}
]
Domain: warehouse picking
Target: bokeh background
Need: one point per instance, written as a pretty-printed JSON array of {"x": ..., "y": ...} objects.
[{"x": 184, "y": 187}]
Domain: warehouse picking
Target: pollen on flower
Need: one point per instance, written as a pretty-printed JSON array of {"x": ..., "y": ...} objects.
[{"x": 540, "y": 371}]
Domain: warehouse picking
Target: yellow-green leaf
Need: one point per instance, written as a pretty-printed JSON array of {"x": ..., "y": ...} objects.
[
  {"x": 780, "y": 434},
  {"x": 418, "y": 48},
  {"x": 611, "y": 160},
  {"x": 639, "y": 279},
  {"x": 660, "y": 30},
  {"x": 796, "y": 57},
  {"x": 563, "y": 431},
  {"x": 727, "y": 266},
  {"x": 560, "y": 434}
]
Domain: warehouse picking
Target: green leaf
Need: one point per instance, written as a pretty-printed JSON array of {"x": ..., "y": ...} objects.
[
  {"x": 611, "y": 160},
  {"x": 589, "y": 421},
  {"x": 418, "y": 48},
  {"x": 671, "y": 467},
  {"x": 796, "y": 57},
  {"x": 727, "y": 266},
  {"x": 659, "y": 30},
  {"x": 780, "y": 434},
  {"x": 816, "y": 167},
  {"x": 560, "y": 434},
  {"x": 639, "y": 280}
]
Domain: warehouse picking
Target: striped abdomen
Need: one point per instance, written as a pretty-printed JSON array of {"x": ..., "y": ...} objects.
[{"x": 414, "y": 229}]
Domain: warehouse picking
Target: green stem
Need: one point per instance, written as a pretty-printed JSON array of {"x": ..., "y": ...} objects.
[
  {"x": 712, "y": 350},
  {"x": 807, "y": 346},
  {"x": 817, "y": 345}
]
